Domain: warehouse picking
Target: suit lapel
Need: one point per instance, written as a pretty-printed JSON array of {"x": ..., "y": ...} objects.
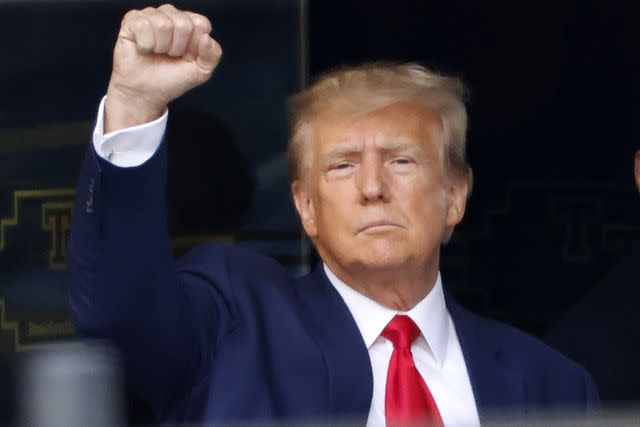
[
  {"x": 330, "y": 322},
  {"x": 497, "y": 388}
]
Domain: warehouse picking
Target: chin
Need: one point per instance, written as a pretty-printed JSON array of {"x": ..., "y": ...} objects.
[{"x": 382, "y": 257}]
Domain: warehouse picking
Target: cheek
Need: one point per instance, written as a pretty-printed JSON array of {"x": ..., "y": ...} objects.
[
  {"x": 333, "y": 202},
  {"x": 435, "y": 191},
  {"x": 426, "y": 202}
]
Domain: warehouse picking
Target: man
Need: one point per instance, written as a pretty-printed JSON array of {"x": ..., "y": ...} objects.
[
  {"x": 379, "y": 179},
  {"x": 601, "y": 330}
]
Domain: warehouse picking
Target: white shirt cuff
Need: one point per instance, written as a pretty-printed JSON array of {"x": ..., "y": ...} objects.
[{"x": 128, "y": 147}]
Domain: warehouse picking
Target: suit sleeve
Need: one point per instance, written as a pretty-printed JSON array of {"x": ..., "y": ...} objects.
[{"x": 123, "y": 285}]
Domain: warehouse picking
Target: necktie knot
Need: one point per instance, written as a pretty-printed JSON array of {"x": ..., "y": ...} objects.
[{"x": 401, "y": 331}]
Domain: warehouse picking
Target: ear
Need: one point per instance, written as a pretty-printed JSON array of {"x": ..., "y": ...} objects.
[
  {"x": 456, "y": 193},
  {"x": 305, "y": 208},
  {"x": 636, "y": 169}
]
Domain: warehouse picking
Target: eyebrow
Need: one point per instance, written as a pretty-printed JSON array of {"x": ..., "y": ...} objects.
[
  {"x": 399, "y": 144},
  {"x": 341, "y": 150},
  {"x": 385, "y": 145}
]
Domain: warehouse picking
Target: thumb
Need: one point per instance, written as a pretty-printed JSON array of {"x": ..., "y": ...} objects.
[{"x": 209, "y": 54}]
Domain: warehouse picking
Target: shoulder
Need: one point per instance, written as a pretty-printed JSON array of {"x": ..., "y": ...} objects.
[
  {"x": 229, "y": 262},
  {"x": 238, "y": 279},
  {"x": 520, "y": 348},
  {"x": 548, "y": 374},
  {"x": 525, "y": 350}
]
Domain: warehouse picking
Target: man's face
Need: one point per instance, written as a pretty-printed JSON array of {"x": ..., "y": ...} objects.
[{"x": 375, "y": 196}]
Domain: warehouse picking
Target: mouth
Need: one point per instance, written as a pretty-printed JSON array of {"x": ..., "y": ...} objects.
[{"x": 381, "y": 225}]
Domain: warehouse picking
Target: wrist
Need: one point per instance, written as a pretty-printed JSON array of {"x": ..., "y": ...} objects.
[{"x": 125, "y": 110}]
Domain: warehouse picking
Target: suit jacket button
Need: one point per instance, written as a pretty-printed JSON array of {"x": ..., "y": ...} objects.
[{"x": 89, "y": 205}]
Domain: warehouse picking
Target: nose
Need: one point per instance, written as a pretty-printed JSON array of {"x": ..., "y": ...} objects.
[{"x": 372, "y": 182}]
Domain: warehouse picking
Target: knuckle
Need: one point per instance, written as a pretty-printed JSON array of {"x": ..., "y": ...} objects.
[
  {"x": 162, "y": 23},
  {"x": 139, "y": 23},
  {"x": 168, "y": 6},
  {"x": 130, "y": 16},
  {"x": 201, "y": 23},
  {"x": 182, "y": 26}
]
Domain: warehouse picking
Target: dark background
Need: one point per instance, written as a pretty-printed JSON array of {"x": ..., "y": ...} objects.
[{"x": 553, "y": 128}]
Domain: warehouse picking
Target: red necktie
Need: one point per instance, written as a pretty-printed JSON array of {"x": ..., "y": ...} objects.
[{"x": 408, "y": 400}]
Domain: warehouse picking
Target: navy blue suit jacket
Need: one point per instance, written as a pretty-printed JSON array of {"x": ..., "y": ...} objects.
[{"x": 225, "y": 334}]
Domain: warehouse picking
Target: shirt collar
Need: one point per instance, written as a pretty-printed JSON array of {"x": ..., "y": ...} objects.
[{"x": 430, "y": 315}]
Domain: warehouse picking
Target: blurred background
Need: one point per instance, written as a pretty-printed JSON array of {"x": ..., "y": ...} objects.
[{"x": 553, "y": 131}]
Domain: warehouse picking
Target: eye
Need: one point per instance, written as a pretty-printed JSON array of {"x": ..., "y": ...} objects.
[
  {"x": 340, "y": 166},
  {"x": 402, "y": 164},
  {"x": 402, "y": 161},
  {"x": 341, "y": 169}
]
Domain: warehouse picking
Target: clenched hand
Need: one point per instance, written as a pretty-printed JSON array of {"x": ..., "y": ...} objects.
[{"x": 160, "y": 54}]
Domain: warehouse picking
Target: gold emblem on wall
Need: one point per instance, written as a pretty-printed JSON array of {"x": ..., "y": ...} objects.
[
  {"x": 34, "y": 231},
  {"x": 55, "y": 207}
]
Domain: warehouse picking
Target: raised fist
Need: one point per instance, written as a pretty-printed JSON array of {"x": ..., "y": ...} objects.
[{"x": 160, "y": 54}]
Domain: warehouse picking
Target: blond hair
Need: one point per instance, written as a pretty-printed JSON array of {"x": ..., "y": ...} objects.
[{"x": 364, "y": 88}]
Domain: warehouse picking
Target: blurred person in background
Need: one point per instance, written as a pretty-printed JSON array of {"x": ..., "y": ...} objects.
[
  {"x": 379, "y": 179},
  {"x": 602, "y": 330}
]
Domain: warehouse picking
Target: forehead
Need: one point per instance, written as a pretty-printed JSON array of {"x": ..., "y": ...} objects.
[{"x": 410, "y": 122}]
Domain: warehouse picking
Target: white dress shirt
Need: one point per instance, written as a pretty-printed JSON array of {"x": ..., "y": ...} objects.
[
  {"x": 131, "y": 146},
  {"x": 436, "y": 352}
]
